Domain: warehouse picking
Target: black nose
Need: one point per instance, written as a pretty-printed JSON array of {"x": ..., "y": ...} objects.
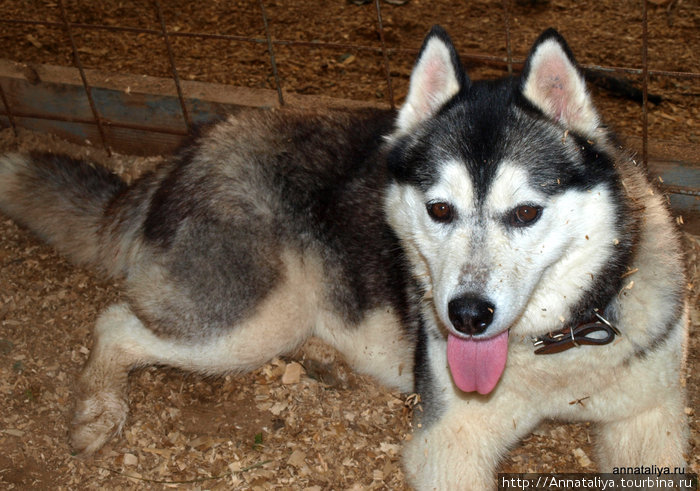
[{"x": 470, "y": 314}]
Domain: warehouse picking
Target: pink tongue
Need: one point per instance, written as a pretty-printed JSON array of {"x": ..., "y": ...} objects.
[{"x": 476, "y": 365}]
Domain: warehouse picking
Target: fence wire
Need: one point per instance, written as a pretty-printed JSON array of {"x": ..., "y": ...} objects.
[{"x": 508, "y": 63}]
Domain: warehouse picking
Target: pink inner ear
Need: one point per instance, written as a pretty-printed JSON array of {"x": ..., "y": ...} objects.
[
  {"x": 436, "y": 79},
  {"x": 554, "y": 81}
]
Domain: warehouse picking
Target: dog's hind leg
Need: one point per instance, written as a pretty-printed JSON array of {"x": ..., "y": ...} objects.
[
  {"x": 123, "y": 342},
  {"x": 101, "y": 395},
  {"x": 278, "y": 325}
]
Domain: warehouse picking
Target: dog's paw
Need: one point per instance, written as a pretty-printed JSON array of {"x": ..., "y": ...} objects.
[{"x": 96, "y": 419}]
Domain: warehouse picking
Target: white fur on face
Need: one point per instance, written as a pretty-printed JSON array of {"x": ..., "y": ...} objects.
[
  {"x": 526, "y": 272},
  {"x": 541, "y": 270}
]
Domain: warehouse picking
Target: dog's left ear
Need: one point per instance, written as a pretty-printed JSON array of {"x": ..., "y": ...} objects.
[
  {"x": 552, "y": 81},
  {"x": 437, "y": 77}
]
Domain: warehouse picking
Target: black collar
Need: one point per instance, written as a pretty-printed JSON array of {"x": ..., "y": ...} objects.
[{"x": 585, "y": 333}]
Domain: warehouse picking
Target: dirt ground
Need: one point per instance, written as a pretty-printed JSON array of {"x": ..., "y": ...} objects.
[{"x": 280, "y": 427}]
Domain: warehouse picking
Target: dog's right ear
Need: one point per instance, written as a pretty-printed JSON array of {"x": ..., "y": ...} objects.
[{"x": 436, "y": 78}]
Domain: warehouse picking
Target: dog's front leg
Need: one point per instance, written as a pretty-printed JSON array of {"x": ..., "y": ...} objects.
[
  {"x": 653, "y": 437},
  {"x": 461, "y": 449}
]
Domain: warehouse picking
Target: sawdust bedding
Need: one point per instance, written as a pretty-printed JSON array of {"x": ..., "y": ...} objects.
[{"x": 283, "y": 426}]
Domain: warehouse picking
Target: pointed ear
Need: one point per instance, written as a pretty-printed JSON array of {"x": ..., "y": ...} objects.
[
  {"x": 552, "y": 81},
  {"x": 437, "y": 77}
]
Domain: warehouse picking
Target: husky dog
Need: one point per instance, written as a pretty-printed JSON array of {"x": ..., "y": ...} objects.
[
  {"x": 525, "y": 221},
  {"x": 429, "y": 247}
]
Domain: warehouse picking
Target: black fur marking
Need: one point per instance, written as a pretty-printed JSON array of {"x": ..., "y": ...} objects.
[
  {"x": 94, "y": 182},
  {"x": 429, "y": 410},
  {"x": 660, "y": 338},
  {"x": 172, "y": 203},
  {"x": 344, "y": 201},
  {"x": 468, "y": 128},
  {"x": 491, "y": 122},
  {"x": 176, "y": 197},
  {"x": 606, "y": 284},
  {"x": 308, "y": 184}
]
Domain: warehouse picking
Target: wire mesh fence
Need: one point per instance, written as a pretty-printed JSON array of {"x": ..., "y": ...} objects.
[{"x": 275, "y": 45}]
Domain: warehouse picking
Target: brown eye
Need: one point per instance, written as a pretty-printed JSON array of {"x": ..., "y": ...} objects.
[
  {"x": 524, "y": 215},
  {"x": 441, "y": 211}
]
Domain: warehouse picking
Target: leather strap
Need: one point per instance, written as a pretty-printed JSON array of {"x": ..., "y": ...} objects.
[{"x": 588, "y": 333}]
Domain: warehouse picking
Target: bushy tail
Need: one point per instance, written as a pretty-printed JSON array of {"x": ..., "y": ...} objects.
[{"x": 61, "y": 200}]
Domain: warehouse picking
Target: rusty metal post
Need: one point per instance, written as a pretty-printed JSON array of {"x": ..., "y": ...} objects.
[
  {"x": 173, "y": 69},
  {"x": 645, "y": 85},
  {"x": 509, "y": 52},
  {"x": 271, "y": 50},
  {"x": 86, "y": 85},
  {"x": 8, "y": 112},
  {"x": 387, "y": 69}
]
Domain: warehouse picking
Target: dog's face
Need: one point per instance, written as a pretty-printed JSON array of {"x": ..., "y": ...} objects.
[
  {"x": 501, "y": 197},
  {"x": 483, "y": 254}
]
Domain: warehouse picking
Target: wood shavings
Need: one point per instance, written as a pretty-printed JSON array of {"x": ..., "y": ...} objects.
[
  {"x": 130, "y": 460},
  {"x": 582, "y": 458},
  {"x": 184, "y": 427},
  {"x": 292, "y": 373},
  {"x": 297, "y": 459}
]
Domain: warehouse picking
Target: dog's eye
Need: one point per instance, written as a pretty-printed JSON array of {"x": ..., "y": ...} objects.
[
  {"x": 441, "y": 211},
  {"x": 524, "y": 215}
]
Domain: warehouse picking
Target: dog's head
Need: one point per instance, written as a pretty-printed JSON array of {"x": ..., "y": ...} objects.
[{"x": 504, "y": 195}]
